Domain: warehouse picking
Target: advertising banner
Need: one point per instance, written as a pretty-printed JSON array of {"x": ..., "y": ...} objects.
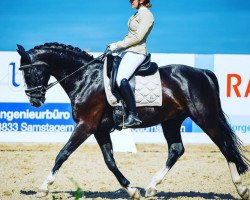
[
  {"x": 19, "y": 121},
  {"x": 233, "y": 73}
]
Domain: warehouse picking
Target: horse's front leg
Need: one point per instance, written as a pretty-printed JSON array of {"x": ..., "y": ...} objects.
[
  {"x": 78, "y": 136},
  {"x": 107, "y": 151}
]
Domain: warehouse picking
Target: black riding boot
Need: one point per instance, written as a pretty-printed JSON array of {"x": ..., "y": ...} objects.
[{"x": 129, "y": 98}]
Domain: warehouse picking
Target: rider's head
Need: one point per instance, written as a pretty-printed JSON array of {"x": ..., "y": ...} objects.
[{"x": 139, "y": 3}]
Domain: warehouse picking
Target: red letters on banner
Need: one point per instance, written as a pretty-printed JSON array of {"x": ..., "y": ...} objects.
[{"x": 235, "y": 87}]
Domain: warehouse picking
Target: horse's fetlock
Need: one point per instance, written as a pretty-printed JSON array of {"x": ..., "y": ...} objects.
[
  {"x": 242, "y": 190},
  {"x": 133, "y": 192},
  {"x": 125, "y": 183},
  {"x": 42, "y": 193}
]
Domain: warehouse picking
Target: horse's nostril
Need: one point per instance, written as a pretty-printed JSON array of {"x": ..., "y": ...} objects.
[{"x": 34, "y": 103}]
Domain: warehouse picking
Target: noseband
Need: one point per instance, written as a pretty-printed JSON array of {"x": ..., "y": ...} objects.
[{"x": 38, "y": 90}]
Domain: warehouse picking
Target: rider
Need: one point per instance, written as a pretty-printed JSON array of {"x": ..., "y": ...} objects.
[{"x": 132, "y": 49}]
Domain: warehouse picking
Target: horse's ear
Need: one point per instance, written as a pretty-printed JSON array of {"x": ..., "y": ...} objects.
[
  {"x": 23, "y": 54},
  {"x": 20, "y": 48}
]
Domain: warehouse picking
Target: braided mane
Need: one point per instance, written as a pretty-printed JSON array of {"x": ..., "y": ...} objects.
[{"x": 55, "y": 45}]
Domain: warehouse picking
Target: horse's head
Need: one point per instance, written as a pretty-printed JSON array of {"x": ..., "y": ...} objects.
[{"x": 36, "y": 76}]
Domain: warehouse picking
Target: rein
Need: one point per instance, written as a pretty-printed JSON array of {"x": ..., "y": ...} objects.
[
  {"x": 43, "y": 89},
  {"x": 56, "y": 82}
]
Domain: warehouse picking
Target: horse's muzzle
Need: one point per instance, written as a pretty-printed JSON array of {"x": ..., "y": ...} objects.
[{"x": 37, "y": 102}]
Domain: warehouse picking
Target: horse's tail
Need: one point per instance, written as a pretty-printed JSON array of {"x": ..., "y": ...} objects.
[
  {"x": 232, "y": 145},
  {"x": 214, "y": 82}
]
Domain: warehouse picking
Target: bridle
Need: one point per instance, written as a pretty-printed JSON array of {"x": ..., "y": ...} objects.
[{"x": 40, "y": 90}]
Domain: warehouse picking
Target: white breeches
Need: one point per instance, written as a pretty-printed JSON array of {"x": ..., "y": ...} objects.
[{"x": 129, "y": 63}]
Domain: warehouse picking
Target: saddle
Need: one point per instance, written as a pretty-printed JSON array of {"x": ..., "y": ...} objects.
[
  {"x": 145, "y": 69},
  {"x": 148, "y": 90}
]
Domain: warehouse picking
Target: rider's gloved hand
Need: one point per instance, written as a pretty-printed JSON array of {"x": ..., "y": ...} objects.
[{"x": 112, "y": 47}]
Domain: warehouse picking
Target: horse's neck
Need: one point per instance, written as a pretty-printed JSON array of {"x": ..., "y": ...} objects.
[
  {"x": 75, "y": 84},
  {"x": 65, "y": 68},
  {"x": 67, "y": 78}
]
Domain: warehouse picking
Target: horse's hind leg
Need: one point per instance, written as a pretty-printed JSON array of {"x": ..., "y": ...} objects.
[
  {"x": 171, "y": 130},
  {"x": 104, "y": 141},
  {"x": 242, "y": 190},
  {"x": 77, "y": 138},
  {"x": 213, "y": 122},
  {"x": 230, "y": 147}
]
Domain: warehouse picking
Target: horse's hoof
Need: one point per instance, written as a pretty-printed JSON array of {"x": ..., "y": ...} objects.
[
  {"x": 136, "y": 195},
  {"x": 246, "y": 194},
  {"x": 42, "y": 193},
  {"x": 150, "y": 192}
]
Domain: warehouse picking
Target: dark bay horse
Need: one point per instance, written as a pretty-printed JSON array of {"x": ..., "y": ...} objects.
[{"x": 187, "y": 92}]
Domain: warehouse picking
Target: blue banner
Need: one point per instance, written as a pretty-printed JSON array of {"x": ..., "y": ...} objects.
[{"x": 51, "y": 117}]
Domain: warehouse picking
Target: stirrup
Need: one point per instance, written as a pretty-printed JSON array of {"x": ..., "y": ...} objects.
[{"x": 131, "y": 120}]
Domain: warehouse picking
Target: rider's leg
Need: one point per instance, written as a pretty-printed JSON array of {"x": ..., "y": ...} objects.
[
  {"x": 129, "y": 98},
  {"x": 114, "y": 86},
  {"x": 129, "y": 63}
]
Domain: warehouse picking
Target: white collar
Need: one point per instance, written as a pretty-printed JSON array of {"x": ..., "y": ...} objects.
[{"x": 142, "y": 9}]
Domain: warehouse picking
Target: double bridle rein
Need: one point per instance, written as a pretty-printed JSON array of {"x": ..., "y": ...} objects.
[{"x": 41, "y": 89}]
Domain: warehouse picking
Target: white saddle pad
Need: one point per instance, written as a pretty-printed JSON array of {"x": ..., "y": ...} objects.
[{"x": 148, "y": 89}]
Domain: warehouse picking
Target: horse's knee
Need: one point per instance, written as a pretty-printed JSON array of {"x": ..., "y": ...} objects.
[{"x": 176, "y": 150}]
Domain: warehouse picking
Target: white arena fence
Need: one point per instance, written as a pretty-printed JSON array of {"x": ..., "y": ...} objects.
[{"x": 20, "y": 122}]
